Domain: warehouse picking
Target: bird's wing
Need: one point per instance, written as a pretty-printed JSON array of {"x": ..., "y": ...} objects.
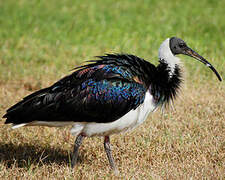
[
  {"x": 102, "y": 101},
  {"x": 98, "y": 92}
]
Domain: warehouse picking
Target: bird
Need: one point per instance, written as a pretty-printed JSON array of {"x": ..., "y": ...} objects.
[{"x": 112, "y": 94}]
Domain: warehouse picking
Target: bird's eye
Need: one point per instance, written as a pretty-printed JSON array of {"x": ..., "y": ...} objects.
[{"x": 182, "y": 45}]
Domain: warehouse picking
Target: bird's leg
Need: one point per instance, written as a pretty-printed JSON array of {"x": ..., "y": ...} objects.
[
  {"x": 77, "y": 144},
  {"x": 109, "y": 154}
]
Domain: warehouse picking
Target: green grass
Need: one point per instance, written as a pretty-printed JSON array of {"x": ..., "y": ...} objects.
[
  {"x": 63, "y": 34},
  {"x": 41, "y": 41}
]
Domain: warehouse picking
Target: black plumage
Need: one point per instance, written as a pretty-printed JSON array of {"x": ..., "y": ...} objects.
[{"x": 86, "y": 95}]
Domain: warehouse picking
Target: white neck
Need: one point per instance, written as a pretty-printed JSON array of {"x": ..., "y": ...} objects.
[{"x": 166, "y": 56}]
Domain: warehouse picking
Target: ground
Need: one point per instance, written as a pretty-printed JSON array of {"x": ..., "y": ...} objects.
[{"x": 41, "y": 41}]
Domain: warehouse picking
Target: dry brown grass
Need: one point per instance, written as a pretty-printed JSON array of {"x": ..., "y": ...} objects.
[{"x": 185, "y": 143}]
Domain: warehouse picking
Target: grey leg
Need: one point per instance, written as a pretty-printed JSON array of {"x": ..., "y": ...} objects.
[
  {"x": 77, "y": 144},
  {"x": 109, "y": 154}
]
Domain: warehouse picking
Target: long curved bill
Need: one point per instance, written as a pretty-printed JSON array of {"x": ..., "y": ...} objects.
[{"x": 195, "y": 55}]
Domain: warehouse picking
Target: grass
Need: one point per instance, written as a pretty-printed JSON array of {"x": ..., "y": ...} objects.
[{"x": 40, "y": 41}]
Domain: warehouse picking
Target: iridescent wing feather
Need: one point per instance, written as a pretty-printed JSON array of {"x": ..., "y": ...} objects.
[{"x": 101, "y": 91}]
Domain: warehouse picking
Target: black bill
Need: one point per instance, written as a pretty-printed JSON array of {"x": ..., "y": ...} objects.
[{"x": 195, "y": 55}]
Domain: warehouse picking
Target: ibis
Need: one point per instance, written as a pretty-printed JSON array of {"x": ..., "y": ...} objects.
[{"x": 109, "y": 95}]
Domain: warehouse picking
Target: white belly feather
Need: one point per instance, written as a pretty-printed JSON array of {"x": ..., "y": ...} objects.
[{"x": 129, "y": 121}]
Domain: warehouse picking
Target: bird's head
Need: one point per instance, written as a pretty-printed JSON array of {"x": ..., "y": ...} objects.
[{"x": 178, "y": 46}]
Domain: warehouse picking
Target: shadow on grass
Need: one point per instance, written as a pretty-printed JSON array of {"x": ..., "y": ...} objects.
[{"x": 25, "y": 155}]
